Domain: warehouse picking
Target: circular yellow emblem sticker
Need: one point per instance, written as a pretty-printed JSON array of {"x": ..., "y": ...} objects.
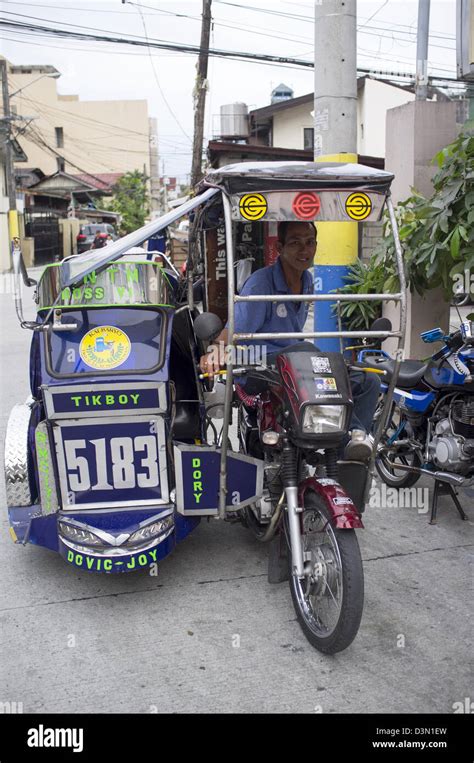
[
  {"x": 105, "y": 347},
  {"x": 358, "y": 206},
  {"x": 253, "y": 206}
]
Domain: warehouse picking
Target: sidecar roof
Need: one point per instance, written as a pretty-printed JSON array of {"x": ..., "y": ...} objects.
[
  {"x": 74, "y": 269},
  {"x": 333, "y": 191},
  {"x": 302, "y": 191},
  {"x": 262, "y": 176}
]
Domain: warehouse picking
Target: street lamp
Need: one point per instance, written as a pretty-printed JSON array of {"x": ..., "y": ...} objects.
[{"x": 52, "y": 75}]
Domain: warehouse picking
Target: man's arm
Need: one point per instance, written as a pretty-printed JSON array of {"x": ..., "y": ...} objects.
[{"x": 249, "y": 318}]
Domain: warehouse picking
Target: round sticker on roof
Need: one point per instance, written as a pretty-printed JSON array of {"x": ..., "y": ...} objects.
[
  {"x": 358, "y": 206},
  {"x": 105, "y": 347},
  {"x": 306, "y": 205},
  {"x": 253, "y": 206}
]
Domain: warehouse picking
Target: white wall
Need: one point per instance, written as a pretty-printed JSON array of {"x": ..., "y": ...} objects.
[
  {"x": 288, "y": 126},
  {"x": 374, "y": 100}
]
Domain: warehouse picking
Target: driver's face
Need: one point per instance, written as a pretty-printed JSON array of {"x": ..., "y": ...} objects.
[{"x": 300, "y": 246}]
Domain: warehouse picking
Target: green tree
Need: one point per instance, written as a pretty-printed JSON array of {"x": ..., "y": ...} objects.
[
  {"x": 130, "y": 199},
  {"x": 436, "y": 234}
]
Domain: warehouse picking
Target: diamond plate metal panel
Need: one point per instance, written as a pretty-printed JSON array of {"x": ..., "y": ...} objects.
[{"x": 16, "y": 457}]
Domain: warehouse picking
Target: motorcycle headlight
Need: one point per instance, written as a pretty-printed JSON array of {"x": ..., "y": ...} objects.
[
  {"x": 323, "y": 419},
  {"x": 79, "y": 535},
  {"x": 151, "y": 531}
]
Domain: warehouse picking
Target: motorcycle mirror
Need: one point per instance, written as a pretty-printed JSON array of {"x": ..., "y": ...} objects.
[
  {"x": 207, "y": 326},
  {"x": 198, "y": 290},
  {"x": 20, "y": 275},
  {"x": 381, "y": 324}
]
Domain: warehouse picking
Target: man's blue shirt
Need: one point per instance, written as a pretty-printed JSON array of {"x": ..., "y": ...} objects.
[{"x": 271, "y": 317}]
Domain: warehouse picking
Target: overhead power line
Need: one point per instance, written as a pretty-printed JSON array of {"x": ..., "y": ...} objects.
[{"x": 193, "y": 49}]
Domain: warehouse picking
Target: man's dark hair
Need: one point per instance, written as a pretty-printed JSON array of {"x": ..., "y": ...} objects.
[{"x": 283, "y": 228}]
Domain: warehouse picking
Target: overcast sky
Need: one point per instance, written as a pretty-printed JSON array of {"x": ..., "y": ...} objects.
[{"x": 386, "y": 41}]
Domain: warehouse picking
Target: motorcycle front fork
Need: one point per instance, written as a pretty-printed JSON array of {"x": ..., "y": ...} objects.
[
  {"x": 294, "y": 527},
  {"x": 289, "y": 475}
]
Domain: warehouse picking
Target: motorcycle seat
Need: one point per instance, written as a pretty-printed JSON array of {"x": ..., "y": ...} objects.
[{"x": 411, "y": 371}]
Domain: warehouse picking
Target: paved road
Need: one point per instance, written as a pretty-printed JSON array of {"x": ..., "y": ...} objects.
[{"x": 78, "y": 642}]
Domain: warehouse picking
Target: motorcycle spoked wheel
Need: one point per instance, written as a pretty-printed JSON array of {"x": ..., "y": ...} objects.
[
  {"x": 328, "y": 604},
  {"x": 386, "y": 463}
]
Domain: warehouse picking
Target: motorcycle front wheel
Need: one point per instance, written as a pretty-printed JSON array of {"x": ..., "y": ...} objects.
[{"x": 329, "y": 600}]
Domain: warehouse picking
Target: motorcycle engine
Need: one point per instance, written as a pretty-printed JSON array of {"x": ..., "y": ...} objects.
[{"x": 452, "y": 444}]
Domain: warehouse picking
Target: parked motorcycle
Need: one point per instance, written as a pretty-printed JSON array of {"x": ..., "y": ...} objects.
[{"x": 430, "y": 427}]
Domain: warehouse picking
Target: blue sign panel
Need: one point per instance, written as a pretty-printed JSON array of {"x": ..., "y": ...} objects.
[
  {"x": 116, "y": 399},
  {"x": 197, "y": 479},
  {"x": 111, "y": 461}
]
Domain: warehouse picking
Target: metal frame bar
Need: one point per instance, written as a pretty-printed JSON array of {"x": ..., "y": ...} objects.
[
  {"x": 318, "y": 297},
  {"x": 92, "y": 261},
  {"x": 388, "y": 397},
  {"x": 229, "y": 367},
  {"x": 233, "y": 337}
]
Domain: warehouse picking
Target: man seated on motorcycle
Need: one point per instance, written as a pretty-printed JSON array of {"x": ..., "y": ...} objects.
[{"x": 290, "y": 274}]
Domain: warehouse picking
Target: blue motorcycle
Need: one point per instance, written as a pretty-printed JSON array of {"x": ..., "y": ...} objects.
[{"x": 429, "y": 429}]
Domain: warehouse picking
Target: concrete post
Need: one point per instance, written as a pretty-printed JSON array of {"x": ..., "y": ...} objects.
[
  {"x": 415, "y": 132},
  {"x": 335, "y": 77},
  {"x": 335, "y": 140},
  {"x": 421, "y": 85}
]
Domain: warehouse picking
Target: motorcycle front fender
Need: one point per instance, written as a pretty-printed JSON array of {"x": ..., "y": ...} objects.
[{"x": 342, "y": 508}]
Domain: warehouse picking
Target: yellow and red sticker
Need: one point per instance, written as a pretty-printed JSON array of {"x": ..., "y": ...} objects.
[
  {"x": 306, "y": 205},
  {"x": 253, "y": 206},
  {"x": 358, "y": 206}
]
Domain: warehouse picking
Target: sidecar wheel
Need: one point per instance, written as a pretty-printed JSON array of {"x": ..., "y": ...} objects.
[{"x": 328, "y": 604}]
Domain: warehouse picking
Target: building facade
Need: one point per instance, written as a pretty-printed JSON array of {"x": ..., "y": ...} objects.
[
  {"x": 289, "y": 123},
  {"x": 64, "y": 133}
]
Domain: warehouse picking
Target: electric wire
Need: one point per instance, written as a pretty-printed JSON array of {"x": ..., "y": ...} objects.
[
  {"x": 244, "y": 56},
  {"x": 158, "y": 82}
]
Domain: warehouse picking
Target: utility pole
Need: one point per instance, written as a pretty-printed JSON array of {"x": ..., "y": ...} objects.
[
  {"x": 421, "y": 83},
  {"x": 335, "y": 77},
  {"x": 9, "y": 169},
  {"x": 335, "y": 140},
  {"x": 200, "y": 94}
]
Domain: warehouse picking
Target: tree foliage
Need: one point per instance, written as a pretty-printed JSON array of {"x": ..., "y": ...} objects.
[
  {"x": 130, "y": 199},
  {"x": 436, "y": 234}
]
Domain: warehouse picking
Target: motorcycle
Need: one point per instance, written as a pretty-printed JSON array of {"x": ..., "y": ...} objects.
[
  {"x": 430, "y": 425},
  {"x": 115, "y": 457}
]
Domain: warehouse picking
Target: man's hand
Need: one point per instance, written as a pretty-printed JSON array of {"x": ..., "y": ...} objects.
[{"x": 209, "y": 363}]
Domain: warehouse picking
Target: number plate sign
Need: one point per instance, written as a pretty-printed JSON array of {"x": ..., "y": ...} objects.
[
  {"x": 197, "y": 479},
  {"x": 107, "y": 463}
]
